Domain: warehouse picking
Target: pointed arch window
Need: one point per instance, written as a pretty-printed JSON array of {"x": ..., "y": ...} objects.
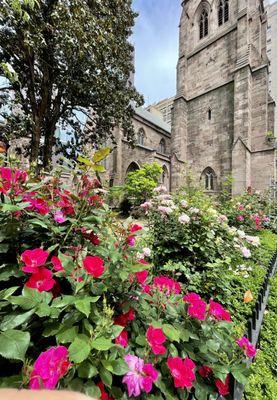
[
  {"x": 141, "y": 137},
  {"x": 162, "y": 147},
  {"x": 204, "y": 24},
  {"x": 223, "y": 12},
  {"x": 208, "y": 178}
]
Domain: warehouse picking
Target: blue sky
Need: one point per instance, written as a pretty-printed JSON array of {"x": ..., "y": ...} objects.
[{"x": 156, "y": 44}]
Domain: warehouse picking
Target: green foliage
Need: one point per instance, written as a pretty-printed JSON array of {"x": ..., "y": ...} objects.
[
  {"x": 262, "y": 383},
  {"x": 62, "y": 58},
  {"x": 139, "y": 184},
  {"x": 86, "y": 312}
]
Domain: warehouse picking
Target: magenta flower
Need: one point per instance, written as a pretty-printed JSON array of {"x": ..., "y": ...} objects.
[
  {"x": 218, "y": 312},
  {"x": 142, "y": 276},
  {"x": 122, "y": 339},
  {"x": 167, "y": 285},
  {"x": 57, "y": 264},
  {"x": 140, "y": 376},
  {"x": 42, "y": 280},
  {"x": 49, "y": 368},
  {"x": 248, "y": 348},
  {"x": 59, "y": 217},
  {"x": 197, "y": 307},
  {"x": 34, "y": 259},
  {"x": 156, "y": 338},
  {"x": 182, "y": 371}
]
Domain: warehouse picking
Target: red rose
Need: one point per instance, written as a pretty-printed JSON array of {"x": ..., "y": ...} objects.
[{"x": 94, "y": 266}]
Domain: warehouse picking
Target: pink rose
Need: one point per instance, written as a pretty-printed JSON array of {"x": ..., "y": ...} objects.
[
  {"x": 140, "y": 377},
  {"x": 248, "y": 348},
  {"x": 182, "y": 371},
  {"x": 33, "y": 259},
  {"x": 156, "y": 338},
  {"x": 122, "y": 339},
  {"x": 41, "y": 280},
  {"x": 59, "y": 217},
  {"x": 49, "y": 368}
]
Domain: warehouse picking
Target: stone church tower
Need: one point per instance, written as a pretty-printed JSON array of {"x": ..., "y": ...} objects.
[{"x": 222, "y": 112}]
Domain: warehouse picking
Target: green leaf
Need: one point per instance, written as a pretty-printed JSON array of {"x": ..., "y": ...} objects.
[
  {"x": 84, "y": 160},
  {"x": 79, "y": 350},
  {"x": 67, "y": 262},
  {"x": 13, "y": 320},
  {"x": 102, "y": 344},
  {"x": 38, "y": 222},
  {"x": 83, "y": 305},
  {"x": 92, "y": 390},
  {"x": 43, "y": 310},
  {"x": 14, "y": 344},
  {"x": 116, "y": 331},
  {"x": 86, "y": 370},
  {"x": 106, "y": 377},
  {"x": 60, "y": 302},
  {"x": 101, "y": 154},
  {"x": 31, "y": 298},
  {"x": 12, "y": 208},
  {"x": 6, "y": 293},
  {"x": 240, "y": 373},
  {"x": 119, "y": 367},
  {"x": 141, "y": 340},
  {"x": 172, "y": 333},
  {"x": 67, "y": 335},
  {"x": 221, "y": 371}
]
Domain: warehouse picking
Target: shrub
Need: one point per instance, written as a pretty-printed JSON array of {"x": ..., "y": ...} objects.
[
  {"x": 139, "y": 184},
  {"x": 81, "y": 308},
  {"x": 191, "y": 240},
  {"x": 250, "y": 212}
]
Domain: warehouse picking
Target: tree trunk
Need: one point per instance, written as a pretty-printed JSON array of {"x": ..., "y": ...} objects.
[
  {"x": 35, "y": 141},
  {"x": 49, "y": 142}
]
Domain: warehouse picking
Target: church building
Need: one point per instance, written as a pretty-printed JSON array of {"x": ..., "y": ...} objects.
[{"x": 222, "y": 113}]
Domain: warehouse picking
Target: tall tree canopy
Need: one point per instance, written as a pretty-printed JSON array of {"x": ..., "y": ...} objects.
[{"x": 61, "y": 57}]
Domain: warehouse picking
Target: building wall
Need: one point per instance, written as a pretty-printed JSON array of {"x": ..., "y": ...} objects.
[
  {"x": 163, "y": 109},
  {"x": 125, "y": 156},
  {"x": 221, "y": 112},
  {"x": 272, "y": 52}
]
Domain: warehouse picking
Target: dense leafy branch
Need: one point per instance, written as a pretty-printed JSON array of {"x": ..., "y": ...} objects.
[{"x": 62, "y": 56}]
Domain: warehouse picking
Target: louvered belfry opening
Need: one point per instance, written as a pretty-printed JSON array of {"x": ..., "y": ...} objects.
[
  {"x": 223, "y": 12},
  {"x": 204, "y": 24}
]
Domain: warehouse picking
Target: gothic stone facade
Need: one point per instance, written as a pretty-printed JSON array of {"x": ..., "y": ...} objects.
[
  {"x": 222, "y": 111},
  {"x": 153, "y": 144}
]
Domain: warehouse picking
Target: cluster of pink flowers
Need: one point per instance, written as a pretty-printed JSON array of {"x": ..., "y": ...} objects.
[
  {"x": 140, "y": 377},
  {"x": 182, "y": 371},
  {"x": 156, "y": 339},
  {"x": 163, "y": 284},
  {"x": 197, "y": 307},
  {"x": 218, "y": 312},
  {"x": 49, "y": 368},
  {"x": 248, "y": 348},
  {"x": 41, "y": 278},
  {"x": 184, "y": 219},
  {"x": 12, "y": 181}
]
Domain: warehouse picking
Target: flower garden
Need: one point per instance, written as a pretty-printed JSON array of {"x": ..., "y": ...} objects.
[{"x": 119, "y": 309}]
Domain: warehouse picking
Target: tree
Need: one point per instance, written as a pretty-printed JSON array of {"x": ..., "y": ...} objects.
[
  {"x": 139, "y": 184},
  {"x": 62, "y": 57}
]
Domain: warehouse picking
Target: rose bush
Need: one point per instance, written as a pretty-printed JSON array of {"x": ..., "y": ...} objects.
[
  {"x": 82, "y": 308},
  {"x": 250, "y": 212}
]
